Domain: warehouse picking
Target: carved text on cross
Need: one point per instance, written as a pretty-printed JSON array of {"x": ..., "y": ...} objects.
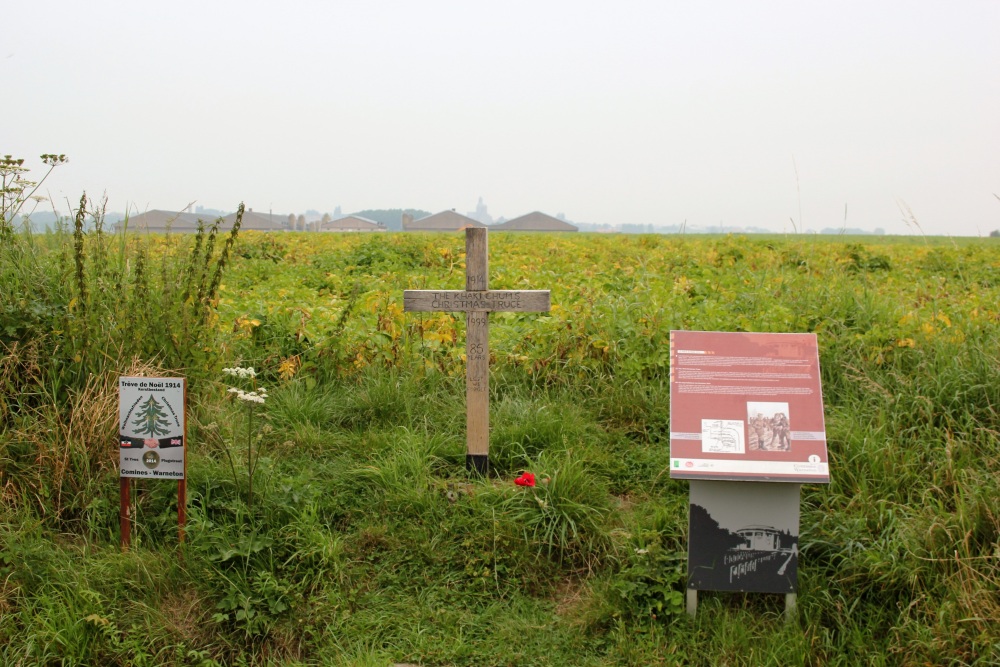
[{"x": 477, "y": 301}]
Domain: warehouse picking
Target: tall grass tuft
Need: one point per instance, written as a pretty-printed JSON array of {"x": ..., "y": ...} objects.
[
  {"x": 565, "y": 516},
  {"x": 84, "y": 308}
]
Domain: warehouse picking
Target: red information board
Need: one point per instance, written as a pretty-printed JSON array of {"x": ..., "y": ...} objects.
[{"x": 746, "y": 406}]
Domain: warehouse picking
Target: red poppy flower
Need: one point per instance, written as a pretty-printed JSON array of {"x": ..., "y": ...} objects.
[{"x": 526, "y": 479}]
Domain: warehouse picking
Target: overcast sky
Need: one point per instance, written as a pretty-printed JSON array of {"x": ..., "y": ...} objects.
[{"x": 654, "y": 112}]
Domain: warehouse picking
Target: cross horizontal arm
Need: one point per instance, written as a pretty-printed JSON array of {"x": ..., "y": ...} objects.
[{"x": 517, "y": 301}]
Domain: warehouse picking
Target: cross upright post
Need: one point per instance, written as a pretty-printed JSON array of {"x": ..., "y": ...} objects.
[
  {"x": 477, "y": 354},
  {"x": 477, "y": 301}
]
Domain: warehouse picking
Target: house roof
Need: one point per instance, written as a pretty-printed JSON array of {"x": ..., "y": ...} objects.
[
  {"x": 159, "y": 221},
  {"x": 535, "y": 222},
  {"x": 445, "y": 221},
  {"x": 261, "y": 222},
  {"x": 352, "y": 223}
]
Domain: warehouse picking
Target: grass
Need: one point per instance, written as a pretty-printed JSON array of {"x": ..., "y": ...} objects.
[{"x": 367, "y": 543}]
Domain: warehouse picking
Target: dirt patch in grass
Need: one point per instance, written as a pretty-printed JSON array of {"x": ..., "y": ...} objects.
[
  {"x": 570, "y": 597},
  {"x": 185, "y": 616}
]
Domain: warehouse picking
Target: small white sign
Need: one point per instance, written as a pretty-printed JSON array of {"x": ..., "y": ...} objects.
[
  {"x": 722, "y": 436},
  {"x": 151, "y": 427}
]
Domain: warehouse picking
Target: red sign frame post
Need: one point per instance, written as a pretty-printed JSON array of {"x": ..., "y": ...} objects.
[{"x": 152, "y": 441}]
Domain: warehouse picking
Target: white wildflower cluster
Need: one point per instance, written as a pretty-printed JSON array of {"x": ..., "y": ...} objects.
[
  {"x": 240, "y": 372},
  {"x": 249, "y": 396}
]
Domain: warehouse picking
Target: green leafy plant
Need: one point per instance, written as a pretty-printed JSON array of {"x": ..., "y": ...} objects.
[{"x": 651, "y": 584}]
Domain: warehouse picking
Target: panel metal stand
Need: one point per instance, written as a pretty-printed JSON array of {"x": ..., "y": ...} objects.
[
  {"x": 743, "y": 537},
  {"x": 692, "y": 602},
  {"x": 791, "y": 605}
]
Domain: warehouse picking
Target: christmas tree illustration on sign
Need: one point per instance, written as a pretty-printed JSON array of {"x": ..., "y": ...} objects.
[{"x": 151, "y": 420}]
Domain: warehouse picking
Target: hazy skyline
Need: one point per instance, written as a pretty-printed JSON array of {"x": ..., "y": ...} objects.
[{"x": 633, "y": 113}]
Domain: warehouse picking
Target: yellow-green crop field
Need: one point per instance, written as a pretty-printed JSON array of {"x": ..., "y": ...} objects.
[
  {"x": 615, "y": 298},
  {"x": 335, "y": 523}
]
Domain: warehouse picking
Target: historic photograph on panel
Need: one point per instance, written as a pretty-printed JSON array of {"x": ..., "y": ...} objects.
[
  {"x": 768, "y": 429},
  {"x": 744, "y": 536}
]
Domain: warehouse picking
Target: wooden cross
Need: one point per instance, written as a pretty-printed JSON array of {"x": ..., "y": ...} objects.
[{"x": 477, "y": 302}]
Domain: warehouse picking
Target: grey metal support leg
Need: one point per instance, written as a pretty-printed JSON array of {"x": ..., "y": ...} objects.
[{"x": 791, "y": 607}]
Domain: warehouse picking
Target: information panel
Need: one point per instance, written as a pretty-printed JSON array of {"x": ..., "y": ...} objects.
[
  {"x": 151, "y": 427},
  {"x": 746, "y": 406}
]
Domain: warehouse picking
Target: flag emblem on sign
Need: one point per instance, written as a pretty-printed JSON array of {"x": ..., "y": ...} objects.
[{"x": 175, "y": 442}]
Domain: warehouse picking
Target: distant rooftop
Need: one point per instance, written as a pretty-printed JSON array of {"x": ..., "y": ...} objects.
[
  {"x": 445, "y": 221},
  {"x": 535, "y": 221},
  {"x": 158, "y": 221},
  {"x": 352, "y": 223}
]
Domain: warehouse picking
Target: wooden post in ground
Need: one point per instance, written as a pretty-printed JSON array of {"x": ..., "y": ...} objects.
[
  {"x": 181, "y": 509},
  {"x": 125, "y": 523},
  {"x": 477, "y": 354},
  {"x": 477, "y": 301},
  {"x": 182, "y": 483}
]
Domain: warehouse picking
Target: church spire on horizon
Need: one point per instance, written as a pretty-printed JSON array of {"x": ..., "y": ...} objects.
[{"x": 481, "y": 214}]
